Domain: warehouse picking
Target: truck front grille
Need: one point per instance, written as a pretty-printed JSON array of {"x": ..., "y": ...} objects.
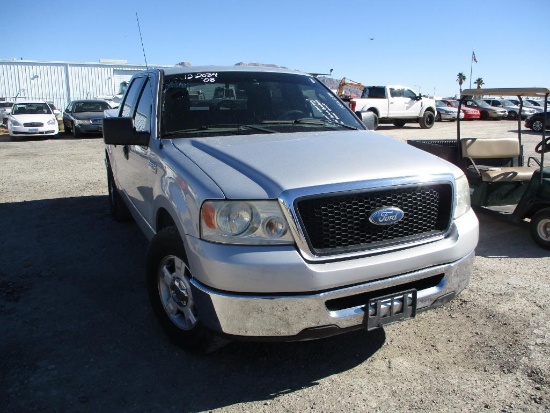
[{"x": 339, "y": 223}]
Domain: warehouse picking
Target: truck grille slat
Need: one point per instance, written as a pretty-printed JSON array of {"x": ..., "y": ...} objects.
[{"x": 339, "y": 223}]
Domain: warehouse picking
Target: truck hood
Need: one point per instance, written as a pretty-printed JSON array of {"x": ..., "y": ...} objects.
[{"x": 262, "y": 166}]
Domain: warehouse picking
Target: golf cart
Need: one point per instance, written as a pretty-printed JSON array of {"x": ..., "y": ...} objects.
[{"x": 499, "y": 180}]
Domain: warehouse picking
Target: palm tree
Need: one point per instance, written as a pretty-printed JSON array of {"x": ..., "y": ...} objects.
[
  {"x": 479, "y": 82},
  {"x": 460, "y": 78}
]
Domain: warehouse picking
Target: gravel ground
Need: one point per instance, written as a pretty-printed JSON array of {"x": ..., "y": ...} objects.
[{"x": 77, "y": 334}]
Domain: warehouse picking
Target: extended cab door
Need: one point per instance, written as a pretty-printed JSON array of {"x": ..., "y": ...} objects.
[{"x": 134, "y": 172}]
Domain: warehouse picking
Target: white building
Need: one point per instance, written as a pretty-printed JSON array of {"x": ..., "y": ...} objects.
[{"x": 61, "y": 82}]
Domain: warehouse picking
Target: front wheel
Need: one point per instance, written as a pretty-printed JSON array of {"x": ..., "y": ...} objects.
[
  {"x": 119, "y": 210},
  {"x": 537, "y": 125},
  {"x": 399, "y": 123},
  {"x": 169, "y": 287},
  {"x": 427, "y": 120},
  {"x": 540, "y": 228}
]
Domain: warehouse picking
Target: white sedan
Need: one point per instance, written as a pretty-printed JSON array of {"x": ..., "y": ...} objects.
[
  {"x": 29, "y": 119},
  {"x": 447, "y": 112}
]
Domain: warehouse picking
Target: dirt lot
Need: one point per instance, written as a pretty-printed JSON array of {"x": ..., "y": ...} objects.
[{"x": 77, "y": 333}]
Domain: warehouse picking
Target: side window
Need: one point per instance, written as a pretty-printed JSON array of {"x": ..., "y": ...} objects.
[
  {"x": 131, "y": 97},
  {"x": 396, "y": 93},
  {"x": 142, "y": 120},
  {"x": 409, "y": 94}
]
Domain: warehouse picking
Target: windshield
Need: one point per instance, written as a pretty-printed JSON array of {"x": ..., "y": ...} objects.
[
  {"x": 80, "y": 107},
  {"x": 441, "y": 104},
  {"x": 31, "y": 109},
  {"x": 250, "y": 102}
]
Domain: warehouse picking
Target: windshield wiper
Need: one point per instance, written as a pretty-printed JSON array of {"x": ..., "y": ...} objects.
[
  {"x": 219, "y": 128},
  {"x": 309, "y": 121}
]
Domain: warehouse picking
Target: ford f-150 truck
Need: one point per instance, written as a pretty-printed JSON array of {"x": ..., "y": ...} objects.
[
  {"x": 274, "y": 214},
  {"x": 397, "y": 105}
]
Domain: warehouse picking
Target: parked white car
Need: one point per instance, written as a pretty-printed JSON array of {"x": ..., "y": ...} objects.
[
  {"x": 29, "y": 119},
  {"x": 446, "y": 111}
]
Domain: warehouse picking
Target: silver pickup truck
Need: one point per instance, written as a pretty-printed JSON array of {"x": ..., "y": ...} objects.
[{"x": 274, "y": 214}]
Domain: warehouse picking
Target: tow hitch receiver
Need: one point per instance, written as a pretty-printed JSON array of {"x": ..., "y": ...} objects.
[{"x": 390, "y": 309}]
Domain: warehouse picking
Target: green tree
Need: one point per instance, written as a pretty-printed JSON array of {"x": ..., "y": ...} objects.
[
  {"x": 460, "y": 78},
  {"x": 479, "y": 82}
]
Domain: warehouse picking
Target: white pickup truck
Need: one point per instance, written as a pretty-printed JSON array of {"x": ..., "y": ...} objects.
[
  {"x": 396, "y": 104},
  {"x": 273, "y": 214}
]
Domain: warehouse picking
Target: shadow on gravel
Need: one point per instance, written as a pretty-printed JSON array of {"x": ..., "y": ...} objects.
[
  {"x": 499, "y": 237},
  {"x": 77, "y": 333}
]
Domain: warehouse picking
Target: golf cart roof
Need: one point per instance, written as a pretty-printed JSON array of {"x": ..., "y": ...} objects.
[{"x": 507, "y": 91}]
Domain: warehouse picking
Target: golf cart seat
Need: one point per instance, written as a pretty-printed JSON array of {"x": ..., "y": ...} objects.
[{"x": 475, "y": 150}]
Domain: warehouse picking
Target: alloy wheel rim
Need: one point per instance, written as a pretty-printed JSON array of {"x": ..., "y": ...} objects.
[{"x": 175, "y": 292}]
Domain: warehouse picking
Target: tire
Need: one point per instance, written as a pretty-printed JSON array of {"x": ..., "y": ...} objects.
[
  {"x": 119, "y": 210},
  {"x": 484, "y": 115},
  {"x": 537, "y": 125},
  {"x": 540, "y": 228},
  {"x": 438, "y": 117},
  {"x": 75, "y": 131},
  {"x": 512, "y": 115},
  {"x": 168, "y": 284},
  {"x": 398, "y": 123},
  {"x": 427, "y": 120},
  {"x": 66, "y": 128}
]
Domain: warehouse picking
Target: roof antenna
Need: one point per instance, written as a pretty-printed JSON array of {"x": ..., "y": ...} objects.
[{"x": 141, "y": 38}]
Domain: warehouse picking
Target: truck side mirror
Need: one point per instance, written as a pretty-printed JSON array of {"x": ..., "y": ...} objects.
[
  {"x": 369, "y": 119},
  {"x": 121, "y": 131}
]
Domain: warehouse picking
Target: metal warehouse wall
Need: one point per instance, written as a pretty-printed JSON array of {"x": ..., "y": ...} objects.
[{"x": 61, "y": 82}]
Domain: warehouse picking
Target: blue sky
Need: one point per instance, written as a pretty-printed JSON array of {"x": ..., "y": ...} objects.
[{"x": 418, "y": 43}]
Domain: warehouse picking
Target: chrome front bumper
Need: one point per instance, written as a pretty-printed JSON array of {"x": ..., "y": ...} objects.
[{"x": 306, "y": 316}]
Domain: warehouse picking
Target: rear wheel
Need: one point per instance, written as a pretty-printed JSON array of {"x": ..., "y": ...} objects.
[
  {"x": 427, "y": 120},
  {"x": 171, "y": 295},
  {"x": 399, "y": 123},
  {"x": 540, "y": 228},
  {"x": 512, "y": 115}
]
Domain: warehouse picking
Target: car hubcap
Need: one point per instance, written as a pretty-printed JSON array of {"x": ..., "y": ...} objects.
[
  {"x": 543, "y": 229},
  {"x": 537, "y": 126},
  {"x": 175, "y": 292}
]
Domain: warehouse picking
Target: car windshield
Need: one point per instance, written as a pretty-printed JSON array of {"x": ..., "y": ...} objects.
[
  {"x": 6, "y": 104},
  {"x": 481, "y": 104},
  {"x": 249, "y": 102},
  {"x": 31, "y": 109},
  {"x": 441, "y": 104},
  {"x": 81, "y": 107}
]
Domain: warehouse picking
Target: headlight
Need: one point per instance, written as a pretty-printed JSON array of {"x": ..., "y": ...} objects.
[
  {"x": 462, "y": 198},
  {"x": 52, "y": 122},
  {"x": 14, "y": 122},
  {"x": 82, "y": 121},
  {"x": 244, "y": 222}
]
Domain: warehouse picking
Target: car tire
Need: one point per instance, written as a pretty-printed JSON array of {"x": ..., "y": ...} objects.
[
  {"x": 484, "y": 115},
  {"x": 540, "y": 228},
  {"x": 399, "y": 123},
  {"x": 512, "y": 115},
  {"x": 168, "y": 284},
  {"x": 119, "y": 210},
  {"x": 76, "y": 132},
  {"x": 537, "y": 125},
  {"x": 66, "y": 127},
  {"x": 427, "y": 120},
  {"x": 438, "y": 117}
]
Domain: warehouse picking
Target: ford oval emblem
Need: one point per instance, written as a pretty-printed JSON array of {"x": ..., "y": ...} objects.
[{"x": 386, "y": 216}]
